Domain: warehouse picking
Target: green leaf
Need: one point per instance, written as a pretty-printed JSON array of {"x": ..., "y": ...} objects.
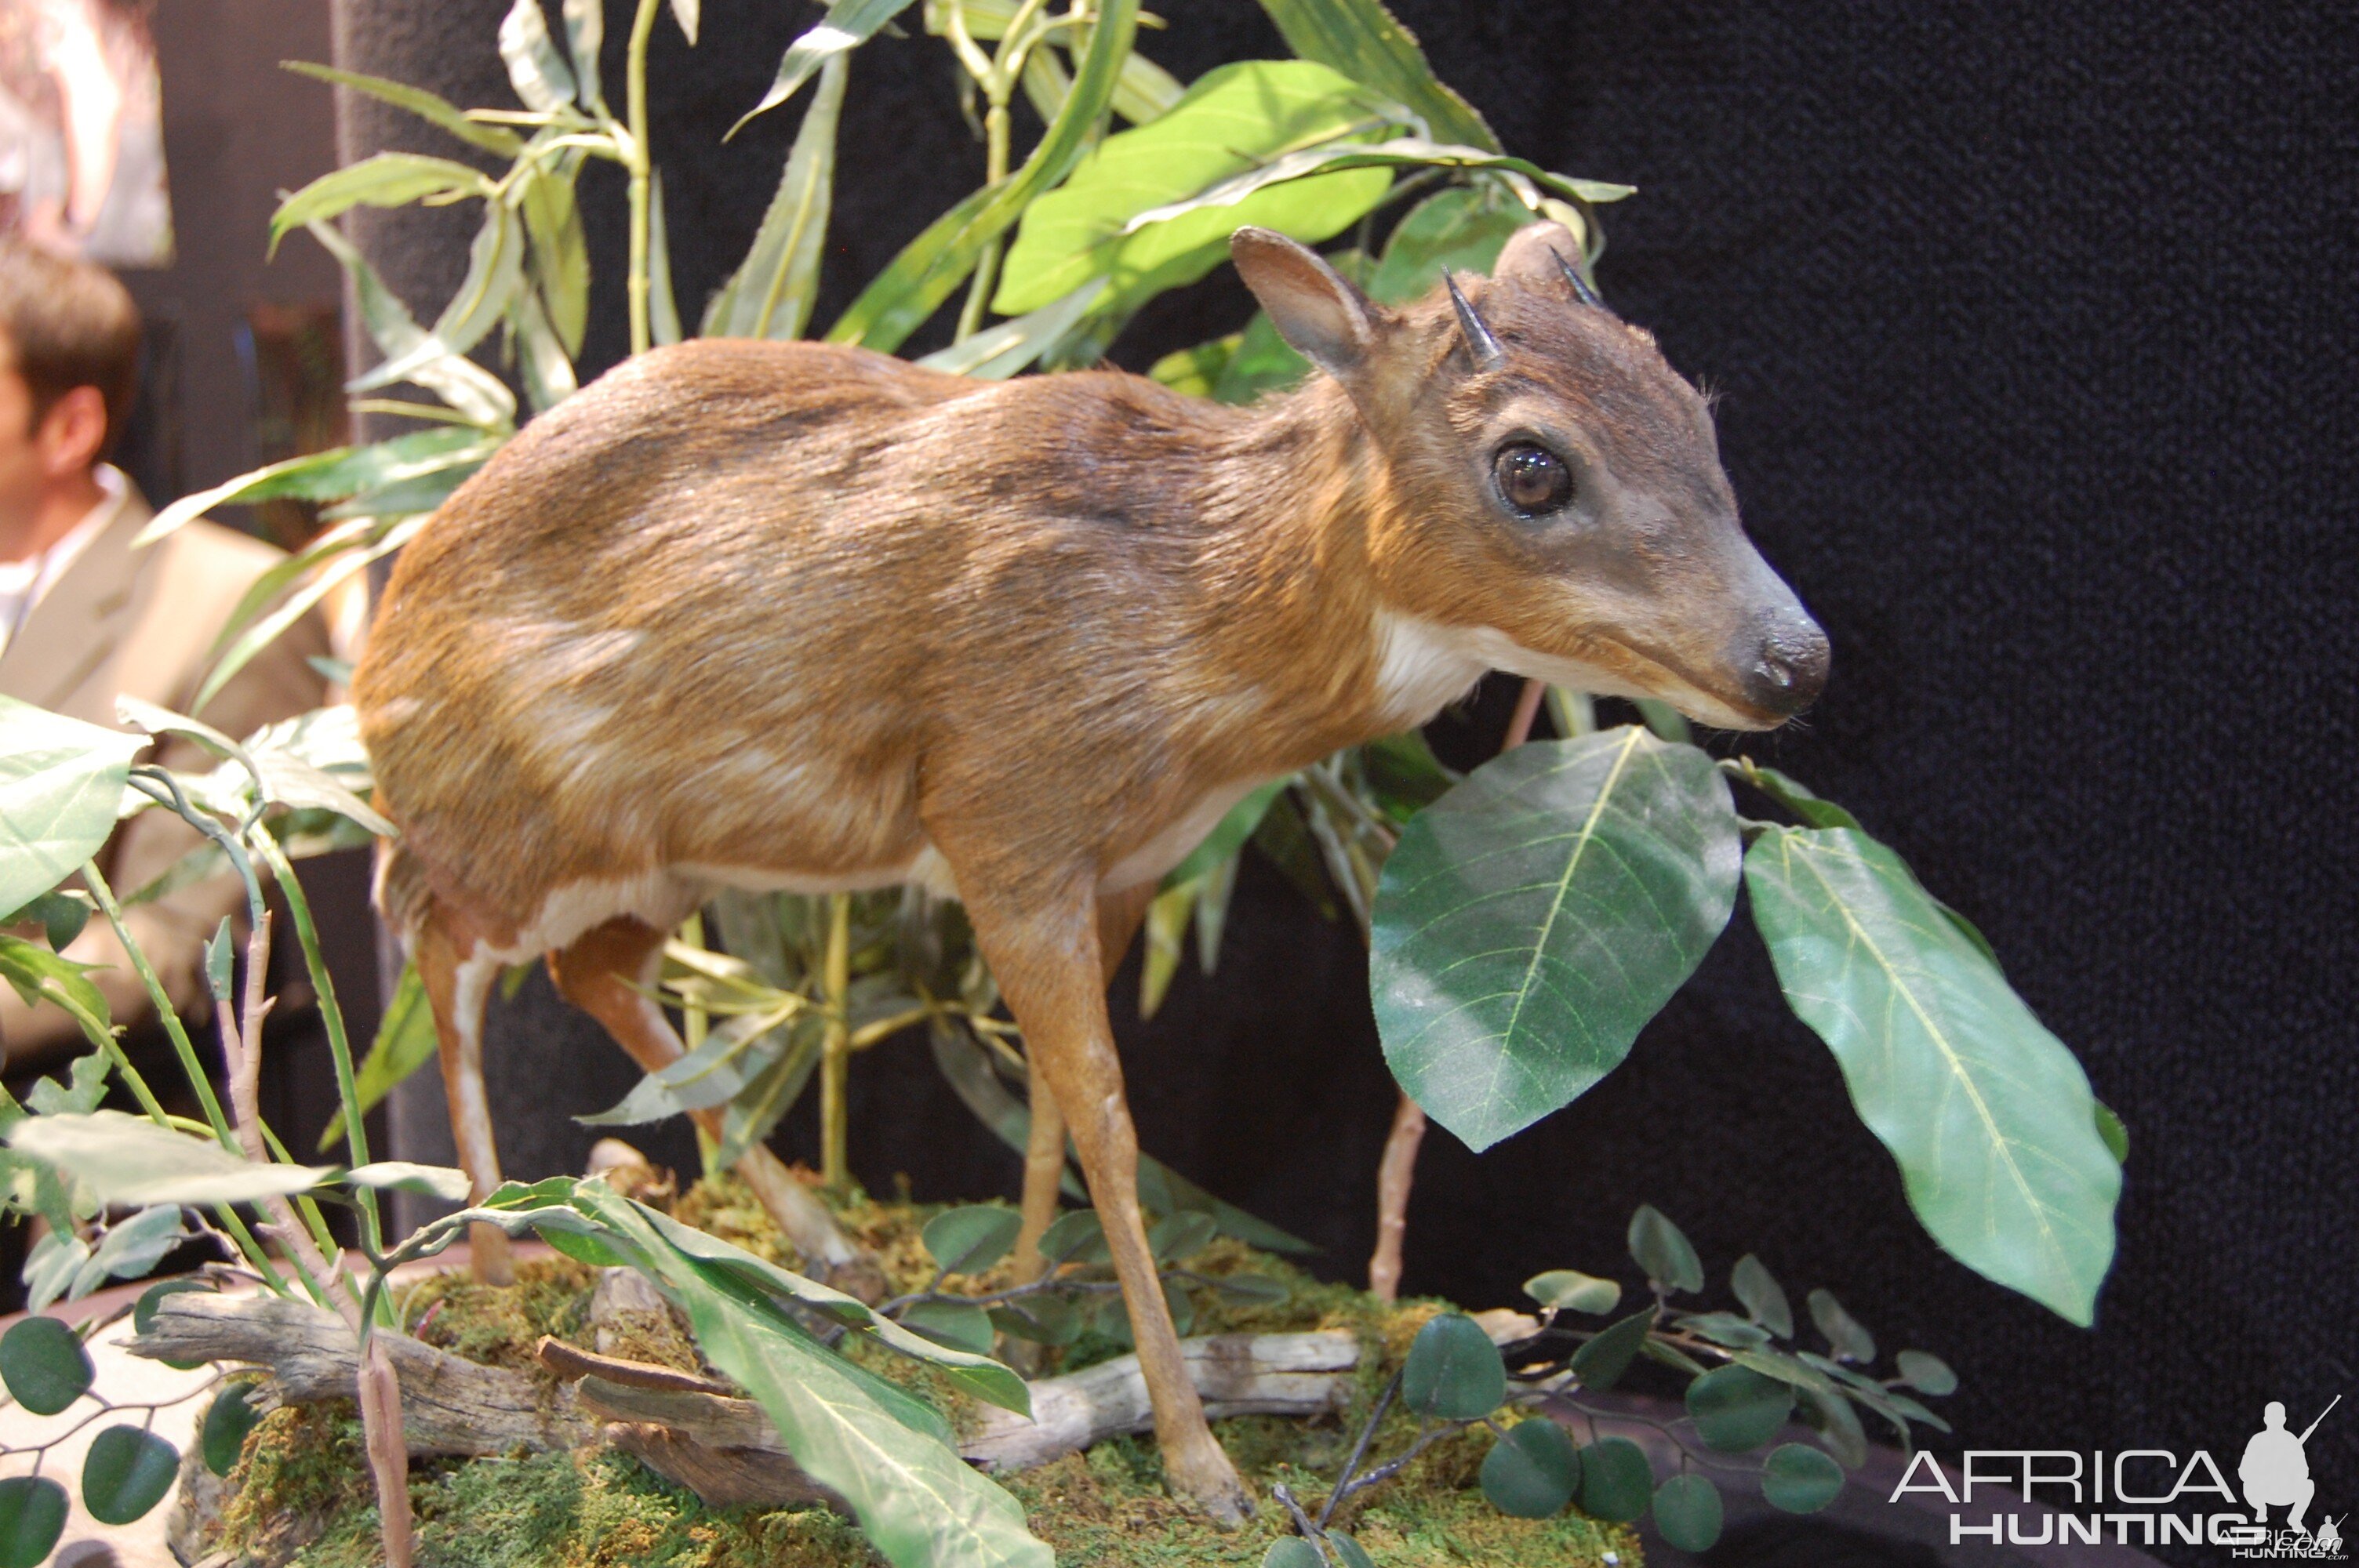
[
  {"x": 60, "y": 781},
  {"x": 1533, "y": 919},
  {"x": 84, "y": 1087},
  {"x": 1533, "y": 1471},
  {"x": 44, "y": 1365},
  {"x": 1663, "y": 1249},
  {"x": 1794, "y": 795},
  {"x": 38, "y": 975},
  {"x": 438, "y": 111},
  {"x": 1569, "y": 1290},
  {"x": 962, "y": 1326},
  {"x": 560, "y": 251},
  {"x": 1349, "y": 1553},
  {"x": 1726, "y": 1328},
  {"x": 494, "y": 272},
  {"x": 32, "y": 1516},
  {"x": 920, "y": 1505},
  {"x": 1292, "y": 1552},
  {"x": 1926, "y": 1372},
  {"x": 585, "y": 34},
  {"x": 1362, "y": 39},
  {"x": 60, "y": 917},
  {"x": 1453, "y": 1370},
  {"x": 535, "y": 70},
  {"x": 1799, "y": 1479},
  {"x": 1849, "y": 1341},
  {"x": 124, "y": 1158},
  {"x": 1988, "y": 1115},
  {"x": 847, "y": 25},
  {"x": 1688, "y": 1512},
  {"x": 1738, "y": 1409},
  {"x": 899, "y": 300},
  {"x": 408, "y": 1176},
  {"x": 134, "y": 1245},
  {"x": 1180, "y": 1236},
  {"x": 325, "y": 476},
  {"x": 2117, "y": 1136},
  {"x": 1251, "y": 1290},
  {"x": 770, "y": 1093},
  {"x": 469, "y": 389},
  {"x": 55, "y": 1261},
  {"x": 969, "y": 1241},
  {"x": 387, "y": 179},
  {"x": 770, "y": 294},
  {"x": 1043, "y": 1319},
  {"x": 1461, "y": 230},
  {"x": 1615, "y": 1480},
  {"x": 1839, "y": 1428},
  {"x": 126, "y": 1472},
  {"x": 1078, "y": 1237},
  {"x": 663, "y": 309},
  {"x": 1228, "y": 836},
  {"x": 231, "y": 1416},
  {"x": 1785, "y": 1369},
  {"x": 1164, "y": 1190},
  {"x": 1764, "y": 1297},
  {"x": 1600, "y": 1363},
  {"x": 1231, "y": 120},
  {"x": 405, "y": 1042},
  {"x": 1194, "y": 372}
]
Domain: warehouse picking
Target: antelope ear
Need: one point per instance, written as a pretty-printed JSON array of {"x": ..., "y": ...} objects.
[
  {"x": 1530, "y": 256},
  {"x": 1326, "y": 321}
]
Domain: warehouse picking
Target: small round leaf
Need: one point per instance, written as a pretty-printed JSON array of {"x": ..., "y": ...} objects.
[
  {"x": 1738, "y": 1409},
  {"x": 1600, "y": 1363},
  {"x": 1453, "y": 1370},
  {"x": 1181, "y": 1234},
  {"x": 1688, "y": 1512},
  {"x": 1075, "y": 1237},
  {"x": 44, "y": 1365},
  {"x": 1043, "y": 1319},
  {"x": 1533, "y": 1471},
  {"x": 127, "y": 1473},
  {"x": 1926, "y": 1372},
  {"x": 1569, "y": 1290},
  {"x": 223, "y": 1438},
  {"x": 962, "y": 1326},
  {"x": 32, "y": 1517},
  {"x": 1615, "y": 1480},
  {"x": 1251, "y": 1290},
  {"x": 1292, "y": 1551},
  {"x": 1848, "y": 1338},
  {"x": 970, "y": 1239},
  {"x": 1800, "y": 1480},
  {"x": 1348, "y": 1553},
  {"x": 1763, "y": 1298},
  {"x": 1664, "y": 1250}
]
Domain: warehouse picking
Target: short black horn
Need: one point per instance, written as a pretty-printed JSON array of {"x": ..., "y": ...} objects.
[
  {"x": 1479, "y": 341},
  {"x": 1582, "y": 292}
]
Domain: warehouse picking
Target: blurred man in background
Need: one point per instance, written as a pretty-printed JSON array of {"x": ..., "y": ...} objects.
[{"x": 86, "y": 618}]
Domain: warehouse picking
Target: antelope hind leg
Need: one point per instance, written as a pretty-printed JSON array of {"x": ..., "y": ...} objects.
[
  {"x": 1044, "y": 1153},
  {"x": 457, "y": 987},
  {"x": 1046, "y": 962},
  {"x": 596, "y": 974}
]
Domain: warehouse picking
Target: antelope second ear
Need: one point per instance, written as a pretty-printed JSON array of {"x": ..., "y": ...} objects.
[{"x": 1327, "y": 320}]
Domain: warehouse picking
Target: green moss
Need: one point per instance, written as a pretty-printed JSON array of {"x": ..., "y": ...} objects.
[{"x": 303, "y": 1499}]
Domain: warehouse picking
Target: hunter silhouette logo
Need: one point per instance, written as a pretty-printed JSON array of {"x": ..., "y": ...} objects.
[{"x": 2275, "y": 1469}]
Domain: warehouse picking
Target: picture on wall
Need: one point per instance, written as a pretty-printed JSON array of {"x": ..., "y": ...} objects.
[{"x": 82, "y": 130}]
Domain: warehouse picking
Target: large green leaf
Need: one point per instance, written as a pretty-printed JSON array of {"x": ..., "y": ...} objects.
[
  {"x": 32, "y": 1517},
  {"x": 1362, "y": 39},
  {"x": 920, "y": 1502},
  {"x": 1534, "y": 918},
  {"x": 495, "y": 273},
  {"x": 387, "y": 179},
  {"x": 1988, "y": 1114},
  {"x": 1232, "y": 120},
  {"x": 126, "y": 1159},
  {"x": 769, "y": 295},
  {"x": 847, "y": 25},
  {"x": 537, "y": 71},
  {"x": 469, "y": 389},
  {"x": 60, "y": 781},
  {"x": 915, "y": 284},
  {"x": 126, "y": 1472},
  {"x": 327, "y": 476}
]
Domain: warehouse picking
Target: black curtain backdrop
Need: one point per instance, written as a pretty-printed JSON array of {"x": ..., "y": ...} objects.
[{"x": 2031, "y": 326}]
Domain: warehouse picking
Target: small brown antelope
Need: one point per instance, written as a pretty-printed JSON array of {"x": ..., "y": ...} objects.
[{"x": 793, "y": 616}]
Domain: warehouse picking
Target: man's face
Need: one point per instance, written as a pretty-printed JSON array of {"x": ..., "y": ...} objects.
[{"x": 24, "y": 462}]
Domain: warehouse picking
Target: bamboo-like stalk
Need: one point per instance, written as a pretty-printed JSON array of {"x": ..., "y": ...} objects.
[
  {"x": 835, "y": 1048},
  {"x": 641, "y": 169}
]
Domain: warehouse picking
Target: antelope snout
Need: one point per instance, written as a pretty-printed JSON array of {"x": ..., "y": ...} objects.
[{"x": 1786, "y": 666}]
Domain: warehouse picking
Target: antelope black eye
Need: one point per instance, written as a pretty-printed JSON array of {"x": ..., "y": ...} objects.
[{"x": 1532, "y": 479}]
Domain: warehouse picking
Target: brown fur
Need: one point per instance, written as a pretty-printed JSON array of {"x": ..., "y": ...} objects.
[{"x": 742, "y": 611}]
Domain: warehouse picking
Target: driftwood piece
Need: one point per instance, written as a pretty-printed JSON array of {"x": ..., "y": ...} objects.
[
  {"x": 450, "y": 1406},
  {"x": 688, "y": 1428}
]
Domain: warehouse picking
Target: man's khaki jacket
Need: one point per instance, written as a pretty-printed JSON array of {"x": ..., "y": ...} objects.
[{"x": 139, "y": 623}]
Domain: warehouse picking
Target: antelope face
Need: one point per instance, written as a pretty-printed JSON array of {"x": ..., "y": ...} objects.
[{"x": 1553, "y": 503}]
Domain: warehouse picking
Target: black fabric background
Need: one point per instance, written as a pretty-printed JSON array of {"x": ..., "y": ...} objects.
[{"x": 2032, "y": 327}]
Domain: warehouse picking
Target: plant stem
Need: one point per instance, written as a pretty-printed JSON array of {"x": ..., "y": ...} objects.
[
  {"x": 835, "y": 1048},
  {"x": 1360, "y": 1449},
  {"x": 635, "y": 70}
]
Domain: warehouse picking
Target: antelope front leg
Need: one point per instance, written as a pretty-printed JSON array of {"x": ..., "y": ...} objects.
[
  {"x": 1044, "y": 1151},
  {"x": 1046, "y": 962}
]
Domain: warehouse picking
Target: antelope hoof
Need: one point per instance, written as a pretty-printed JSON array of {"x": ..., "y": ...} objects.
[{"x": 1204, "y": 1480}]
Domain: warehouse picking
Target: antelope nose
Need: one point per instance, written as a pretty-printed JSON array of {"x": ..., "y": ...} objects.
[{"x": 1790, "y": 669}]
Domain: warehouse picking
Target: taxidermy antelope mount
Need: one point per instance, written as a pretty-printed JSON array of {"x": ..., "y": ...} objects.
[{"x": 795, "y": 616}]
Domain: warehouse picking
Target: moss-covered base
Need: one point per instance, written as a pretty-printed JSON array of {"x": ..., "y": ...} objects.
[{"x": 301, "y": 1494}]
